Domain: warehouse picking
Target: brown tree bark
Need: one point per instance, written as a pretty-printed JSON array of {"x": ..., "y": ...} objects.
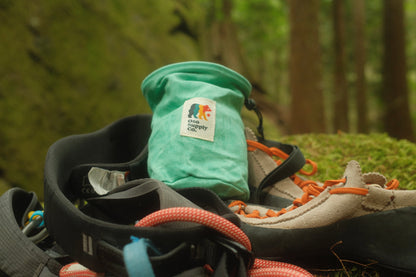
[
  {"x": 397, "y": 118},
  {"x": 307, "y": 106},
  {"x": 221, "y": 43},
  {"x": 360, "y": 60},
  {"x": 340, "y": 90}
]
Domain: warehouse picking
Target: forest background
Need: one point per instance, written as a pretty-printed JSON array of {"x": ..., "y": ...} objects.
[{"x": 317, "y": 66}]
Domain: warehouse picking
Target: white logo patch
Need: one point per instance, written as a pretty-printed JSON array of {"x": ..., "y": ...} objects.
[{"x": 198, "y": 118}]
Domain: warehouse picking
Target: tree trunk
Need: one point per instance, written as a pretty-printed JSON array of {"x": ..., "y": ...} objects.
[
  {"x": 397, "y": 118},
  {"x": 340, "y": 91},
  {"x": 307, "y": 106},
  {"x": 360, "y": 59},
  {"x": 221, "y": 43}
]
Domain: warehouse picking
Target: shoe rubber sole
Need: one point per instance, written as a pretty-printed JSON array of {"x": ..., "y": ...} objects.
[{"x": 387, "y": 239}]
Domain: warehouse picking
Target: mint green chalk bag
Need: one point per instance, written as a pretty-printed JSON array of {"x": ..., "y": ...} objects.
[{"x": 197, "y": 137}]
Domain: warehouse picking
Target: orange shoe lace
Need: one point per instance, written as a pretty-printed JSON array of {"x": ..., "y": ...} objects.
[
  {"x": 279, "y": 155},
  {"x": 310, "y": 191}
]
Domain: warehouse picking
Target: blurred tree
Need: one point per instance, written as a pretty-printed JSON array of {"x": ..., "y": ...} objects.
[
  {"x": 262, "y": 28},
  {"x": 360, "y": 60},
  {"x": 340, "y": 90},
  {"x": 221, "y": 42},
  {"x": 307, "y": 106},
  {"x": 395, "y": 92}
]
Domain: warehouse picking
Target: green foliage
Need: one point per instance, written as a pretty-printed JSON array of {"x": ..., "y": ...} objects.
[
  {"x": 264, "y": 34},
  {"x": 410, "y": 7},
  {"x": 375, "y": 152}
]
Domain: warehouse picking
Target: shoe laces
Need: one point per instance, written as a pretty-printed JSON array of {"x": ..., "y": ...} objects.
[
  {"x": 279, "y": 156},
  {"x": 311, "y": 191}
]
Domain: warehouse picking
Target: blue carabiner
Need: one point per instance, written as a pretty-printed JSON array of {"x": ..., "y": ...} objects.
[{"x": 37, "y": 213}]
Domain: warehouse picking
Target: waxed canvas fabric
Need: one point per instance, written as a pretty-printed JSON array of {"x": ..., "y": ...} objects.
[{"x": 197, "y": 137}]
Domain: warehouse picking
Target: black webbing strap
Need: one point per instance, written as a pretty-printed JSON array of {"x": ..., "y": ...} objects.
[
  {"x": 80, "y": 233},
  {"x": 290, "y": 166},
  {"x": 19, "y": 256},
  {"x": 173, "y": 262},
  {"x": 186, "y": 255},
  {"x": 96, "y": 242}
]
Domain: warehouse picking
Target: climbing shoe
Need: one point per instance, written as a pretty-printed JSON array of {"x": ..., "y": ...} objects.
[{"x": 353, "y": 218}]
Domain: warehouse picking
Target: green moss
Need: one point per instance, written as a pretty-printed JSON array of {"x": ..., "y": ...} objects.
[
  {"x": 74, "y": 67},
  {"x": 375, "y": 152}
]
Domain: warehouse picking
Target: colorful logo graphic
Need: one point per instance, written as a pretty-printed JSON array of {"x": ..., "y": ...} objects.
[
  {"x": 198, "y": 118},
  {"x": 199, "y": 111}
]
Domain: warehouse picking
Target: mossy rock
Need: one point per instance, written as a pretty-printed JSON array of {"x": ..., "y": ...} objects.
[{"x": 375, "y": 152}]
